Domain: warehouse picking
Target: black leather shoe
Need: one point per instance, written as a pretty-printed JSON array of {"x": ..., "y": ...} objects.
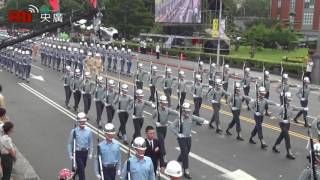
[
  {"x": 211, "y": 127},
  {"x": 296, "y": 121},
  {"x": 264, "y": 146},
  {"x": 187, "y": 176},
  {"x": 228, "y": 133},
  {"x": 219, "y": 131},
  {"x": 251, "y": 141},
  {"x": 291, "y": 156},
  {"x": 274, "y": 149},
  {"x": 118, "y": 135},
  {"x": 240, "y": 138}
]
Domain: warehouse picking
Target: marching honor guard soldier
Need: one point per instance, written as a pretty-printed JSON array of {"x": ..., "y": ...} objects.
[
  {"x": 75, "y": 86},
  {"x": 174, "y": 170},
  {"x": 212, "y": 74},
  {"x": 303, "y": 95},
  {"x": 246, "y": 82},
  {"x": 140, "y": 73},
  {"x": 266, "y": 83},
  {"x": 138, "y": 117},
  {"x": 161, "y": 118},
  {"x": 167, "y": 84},
  {"x": 98, "y": 64},
  {"x": 153, "y": 149},
  {"x": 258, "y": 107},
  {"x": 235, "y": 102},
  {"x": 182, "y": 128},
  {"x": 83, "y": 138},
  {"x": 67, "y": 77},
  {"x": 140, "y": 166},
  {"x": 129, "y": 62},
  {"x": 307, "y": 174},
  {"x": 99, "y": 97},
  {"x": 197, "y": 92},
  {"x": 153, "y": 82},
  {"x": 122, "y": 60},
  {"x": 87, "y": 88},
  {"x": 110, "y": 155},
  {"x": 286, "y": 112},
  {"x": 182, "y": 88},
  {"x": 110, "y": 56},
  {"x": 110, "y": 99},
  {"x": 225, "y": 78},
  {"x": 125, "y": 103},
  {"x": 27, "y": 71},
  {"x": 284, "y": 86},
  {"x": 215, "y": 95},
  {"x": 115, "y": 59}
]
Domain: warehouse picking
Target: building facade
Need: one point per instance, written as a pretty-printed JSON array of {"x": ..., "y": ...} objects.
[{"x": 302, "y": 15}]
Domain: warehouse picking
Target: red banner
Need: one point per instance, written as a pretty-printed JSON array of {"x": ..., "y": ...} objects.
[
  {"x": 54, "y": 5},
  {"x": 93, "y": 3}
]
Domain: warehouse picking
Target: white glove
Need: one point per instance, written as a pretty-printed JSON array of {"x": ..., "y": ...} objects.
[
  {"x": 119, "y": 172},
  {"x": 95, "y": 99},
  {"x": 234, "y": 108},
  {"x": 73, "y": 91},
  {"x": 153, "y": 105},
  {"x": 71, "y": 157},
  {"x": 158, "y": 124},
  {"x": 163, "y": 76},
  {"x": 298, "y": 86},
  {"x": 278, "y": 105},
  {"x": 194, "y": 95},
  {"x": 133, "y": 116},
  {"x": 98, "y": 176},
  {"x": 180, "y": 135},
  {"x": 82, "y": 92},
  {"x": 306, "y": 109},
  {"x": 90, "y": 156},
  {"x": 150, "y": 85},
  {"x": 210, "y": 87},
  {"x": 303, "y": 99}
]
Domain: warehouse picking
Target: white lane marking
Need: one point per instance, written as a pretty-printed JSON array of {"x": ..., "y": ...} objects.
[
  {"x": 73, "y": 117},
  {"x": 211, "y": 164},
  {"x": 37, "y": 67},
  {"x": 40, "y": 78}
]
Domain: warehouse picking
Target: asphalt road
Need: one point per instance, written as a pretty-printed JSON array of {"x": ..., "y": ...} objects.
[{"x": 42, "y": 126}]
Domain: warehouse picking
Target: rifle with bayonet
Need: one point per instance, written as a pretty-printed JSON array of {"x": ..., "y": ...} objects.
[
  {"x": 303, "y": 83},
  {"x": 166, "y": 75},
  {"x": 128, "y": 165},
  {"x": 74, "y": 165},
  {"x": 264, "y": 76},
  {"x": 234, "y": 94},
  {"x": 99, "y": 158},
  {"x": 285, "y": 115}
]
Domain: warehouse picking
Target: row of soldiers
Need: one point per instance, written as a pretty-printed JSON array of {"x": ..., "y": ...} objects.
[
  {"x": 93, "y": 58},
  {"x": 16, "y": 60}
]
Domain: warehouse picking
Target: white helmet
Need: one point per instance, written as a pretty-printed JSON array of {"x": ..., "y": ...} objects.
[
  {"x": 316, "y": 148},
  {"x": 81, "y": 51},
  {"x": 59, "y": 47},
  {"x": 227, "y": 66},
  {"x": 139, "y": 92},
  {"x": 186, "y": 106},
  {"x": 91, "y": 44},
  {"x": 98, "y": 45},
  {"x": 69, "y": 49},
  {"x": 75, "y": 49},
  {"x": 81, "y": 116},
  {"x": 247, "y": 69},
  {"x": 154, "y": 68},
  {"x": 111, "y": 83},
  {"x": 140, "y": 65},
  {"x": 103, "y": 46},
  {"x": 173, "y": 169},
  {"x": 122, "y": 49},
  {"x": 89, "y": 53},
  {"x": 198, "y": 77},
  {"x": 129, "y": 50},
  {"x": 54, "y": 46},
  {"x": 201, "y": 63},
  {"x": 100, "y": 78},
  {"x": 23, "y": 52},
  {"x": 124, "y": 87},
  {"x": 218, "y": 82},
  {"x": 85, "y": 43},
  {"x": 267, "y": 73},
  {"x": 163, "y": 99},
  {"x": 288, "y": 95},
  {"x": 237, "y": 85},
  {"x": 262, "y": 89},
  {"x": 169, "y": 70},
  {"x": 306, "y": 79},
  {"x": 68, "y": 68},
  {"x": 109, "y": 129},
  {"x": 27, "y": 52},
  {"x": 109, "y": 47},
  {"x": 87, "y": 74},
  {"x": 81, "y": 43},
  {"x": 285, "y": 76},
  {"x": 139, "y": 143},
  {"x": 213, "y": 65},
  {"x": 98, "y": 55},
  {"x": 115, "y": 48},
  {"x": 181, "y": 73},
  {"x": 78, "y": 71}
]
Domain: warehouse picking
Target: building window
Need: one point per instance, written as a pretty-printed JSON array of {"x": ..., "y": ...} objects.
[
  {"x": 292, "y": 4},
  {"x": 309, "y": 4},
  {"x": 279, "y": 3},
  {"x": 307, "y": 18}
]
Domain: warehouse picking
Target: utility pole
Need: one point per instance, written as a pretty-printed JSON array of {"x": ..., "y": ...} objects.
[{"x": 219, "y": 37}]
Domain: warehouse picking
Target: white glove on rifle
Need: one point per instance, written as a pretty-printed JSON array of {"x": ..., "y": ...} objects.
[
  {"x": 180, "y": 135},
  {"x": 153, "y": 106},
  {"x": 119, "y": 172},
  {"x": 306, "y": 109},
  {"x": 90, "y": 156},
  {"x": 98, "y": 176}
]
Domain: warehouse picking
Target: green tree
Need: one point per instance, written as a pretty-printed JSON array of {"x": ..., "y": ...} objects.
[
  {"x": 259, "y": 8},
  {"x": 129, "y": 17}
]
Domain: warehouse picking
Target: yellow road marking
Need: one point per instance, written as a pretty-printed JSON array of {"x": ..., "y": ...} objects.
[{"x": 248, "y": 120}]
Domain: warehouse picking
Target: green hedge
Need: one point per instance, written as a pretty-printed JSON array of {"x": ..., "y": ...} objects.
[{"x": 294, "y": 69}]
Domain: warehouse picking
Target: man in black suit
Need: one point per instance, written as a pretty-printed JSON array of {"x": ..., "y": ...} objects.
[{"x": 153, "y": 149}]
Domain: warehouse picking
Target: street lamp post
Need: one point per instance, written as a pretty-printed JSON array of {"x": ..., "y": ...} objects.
[{"x": 219, "y": 33}]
